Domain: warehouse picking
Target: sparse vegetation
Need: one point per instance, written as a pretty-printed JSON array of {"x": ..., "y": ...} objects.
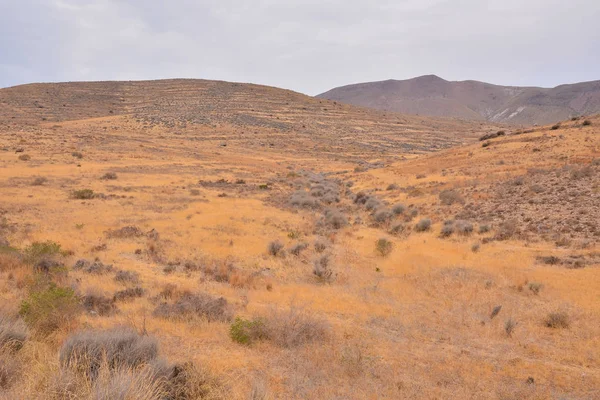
[
  {"x": 199, "y": 305},
  {"x": 322, "y": 269},
  {"x": 423, "y": 225},
  {"x": 451, "y": 196},
  {"x": 557, "y": 320},
  {"x": 275, "y": 248},
  {"x": 83, "y": 194},
  {"x": 49, "y": 309},
  {"x": 109, "y": 176},
  {"x": 384, "y": 247}
]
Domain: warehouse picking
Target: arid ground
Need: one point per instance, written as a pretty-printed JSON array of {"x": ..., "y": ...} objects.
[{"x": 195, "y": 239}]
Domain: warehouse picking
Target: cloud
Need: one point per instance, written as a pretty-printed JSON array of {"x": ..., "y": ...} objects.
[{"x": 309, "y": 46}]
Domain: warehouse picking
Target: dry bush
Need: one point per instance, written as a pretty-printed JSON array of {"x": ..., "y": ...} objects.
[
  {"x": 298, "y": 248},
  {"x": 39, "y": 181},
  {"x": 287, "y": 329},
  {"x": 463, "y": 227},
  {"x": 382, "y": 216},
  {"x": 548, "y": 260},
  {"x": 587, "y": 122},
  {"x": 109, "y": 176},
  {"x": 129, "y": 294},
  {"x": 334, "y": 219},
  {"x": 13, "y": 333},
  {"x": 509, "y": 327},
  {"x": 507, "y": 230},
  {"x": 83, "y": 194},
  {"x": 384, "y": 247},
  {"x": 119, "y": 347},
  {"x": 127, "y": 277},
  {"x": 447, "y": 229},
  {"x": 372, "y": 203},
  {"x": 397, "y": 229},
  {"x": 10, "y": 260},
  {"x": 168, "y": 291},
  {"x": 584, "y": 172},
  {"x": 451, "y": 196},
  {"x": 24, "y": 157},
  {"x": 275, "y": 248},
  {"x": 484, "y": 228},
  {"x": 557, "y": 320},
  {"x": 124, "y": 233},
  {"x": 195, "y": 305},
  {"x": 303, "y": 199},
  {"x": 398, "y": 209},
  {"x": 392, "y": 186},
  {"x": 96, "y": 302},
  {"x": 361, "y": 198},
  {"x": 322, "y": 270},
  {"x": 320, "y": 245},
  {"x": 555, "y": 127},
  {"x": 535, "y": 287},
  {"x": 95, "y": 268},
  {"x": 423, "y": 225}
]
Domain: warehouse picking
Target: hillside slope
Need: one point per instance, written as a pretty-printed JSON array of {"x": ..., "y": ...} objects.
[
  {"x": 434, "y": 96},
  {"x": 232, "y": 111}
]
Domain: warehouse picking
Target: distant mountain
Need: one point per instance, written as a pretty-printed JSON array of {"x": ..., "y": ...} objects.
[{"x": 434, "y": 96}]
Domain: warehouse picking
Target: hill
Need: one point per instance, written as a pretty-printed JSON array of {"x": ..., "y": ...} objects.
[
  {"x": 196, "y": 107},
  {"x": 188, "y": 246},
  {"x": 479, "y": 101}
]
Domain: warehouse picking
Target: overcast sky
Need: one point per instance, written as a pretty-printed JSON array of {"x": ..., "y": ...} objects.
[{"x": 305, "y": 45}]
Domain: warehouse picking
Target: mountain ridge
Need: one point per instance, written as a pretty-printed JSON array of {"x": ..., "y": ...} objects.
[{"x": 432, "y": 95}]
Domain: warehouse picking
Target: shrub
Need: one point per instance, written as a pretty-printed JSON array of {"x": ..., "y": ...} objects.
[
  {"x": 13, "y": 333},
  {"x": 450, "y": 196},
  {"x": 447, "y": 230},
  {"x": 298, "y": 248},
  {"x": 195, "y": 305},
  {"x": 335, "y": 219},
  {"x": 304, "y": 200},
  {"x": 585, "y": 172},
  {"x": 509, "y": 327},
  {"x": 77, "y": 154},
  {"x": 361, "y": 198},
  {"x": 535, "y": 287},
  {"x": 95, "y": 268},
  {"x": 49, "y": 309},
  {"x": 557, "y": 320},
  {"x": 321, "y": 268},
  {"x": 39, "y": 181},
  {"x": 38, "y": 251},
  {"x": 125, "y": 232},
  {"x": 549, "y": 260},
  {"x": 423, "y": 225},
  {"x": 372, "y": 204},
  {"x": 83, "y": 194},
  {"x": 285, "y": 329},
  {"x": 96, "y": 302},
  {"x": 397, "y": 228},
  {"x": 275, "y": 248},
  {"x": 587, "y": 122},
  {"x": 245, "y": 331},
  {"x": 555, "y": 127},
  {"x": 484, "y": 228},
  {"x": 384, "y": 247},
  {"x": 320, "y": 245},
  {"x": 109, "y": 176},
  {"x": 475, "y": 247},
  {"x": 393, "y": 186},
  {"x": 127, "y": 277},
  {"x": 382, "y": 216},
  {"x": 506, "y": 230},
  {"x": 119, "y": 347},
  {"x": 24, "y": 157},
  {"x": 463, "y": 227},
  {"x": 398, "y": 209},
  {"x": 129, "y": 293}
]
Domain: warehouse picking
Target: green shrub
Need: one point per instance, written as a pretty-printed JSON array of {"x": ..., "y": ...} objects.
[
  {"x": 83, "y": 194},
  {"x": 47, "y": 310},
  {"x": 244, "y": 331},
  {"x": 40, "y": 250}
]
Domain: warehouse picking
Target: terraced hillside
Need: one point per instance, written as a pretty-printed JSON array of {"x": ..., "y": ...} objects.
[{"x": 232, "y": 111}]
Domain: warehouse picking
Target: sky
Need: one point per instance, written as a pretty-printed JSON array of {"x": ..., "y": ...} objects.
[{"x": 309, "y": 46}]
